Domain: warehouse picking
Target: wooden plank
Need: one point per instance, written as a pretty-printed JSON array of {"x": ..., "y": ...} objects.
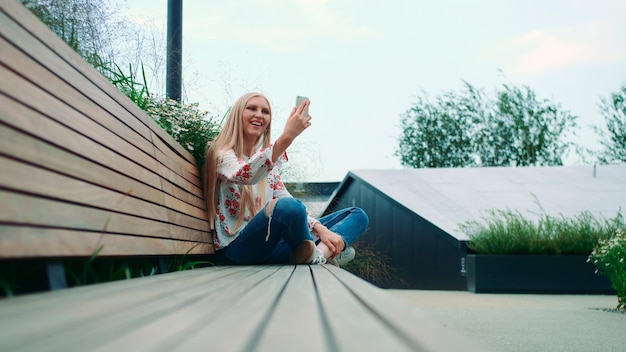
[
  {"x": 67, "y": 319},
  {"x": 71, "y": 118},
  {"x": 55, "y": 214},
  {"x": 298, "y": 303},
  {"x": 223, "y": 308},
  {"x": 166, "y": 144},
  {"x": 210, "y": 301},
  {"x": 184, "y": 220},
  {"x": 20, "y": 146},
  {"x": 185, "y": 208},
  {"x": 165, "y": 150},
  {"x": 176, "y": 191},
  {"x": 167, "y": 311},
  {"x": 25, "y": 93},
  {"x": 173, "y": 171},
  {"x": 31, "y": 150},
  {"x": 29, "y": 242},
  {"x": 57, "y": 58},
  {"x": 53, "y": 43},
  {"x": 409, "y": 324},
  {"x": 245, "y": 310},
  {"x": 337, "y": 302},
  {"x": 33, "y": 123},
  {"x": 25, "y": 178}
]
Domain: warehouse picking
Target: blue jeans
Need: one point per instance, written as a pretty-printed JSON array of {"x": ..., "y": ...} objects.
[{"x": 288, "y": 227}]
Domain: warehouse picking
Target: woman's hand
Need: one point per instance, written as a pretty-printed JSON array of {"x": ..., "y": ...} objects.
[
  {"x": 333, "y": 241},
  {"x": 297, "y": 121},
  {"x": 296, "y": 124}
]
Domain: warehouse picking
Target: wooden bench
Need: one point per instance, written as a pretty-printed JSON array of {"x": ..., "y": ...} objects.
[{"x": 84, "y": 172}]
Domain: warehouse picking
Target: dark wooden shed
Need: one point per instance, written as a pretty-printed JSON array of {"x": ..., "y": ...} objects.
[{"x": 415, "y": 213}]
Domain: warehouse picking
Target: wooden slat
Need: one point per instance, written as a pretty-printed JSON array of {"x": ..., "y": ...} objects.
[
  {"x": 173, "y": 158},
  {"x": 20, "y": 146},
  {"x": 298, "y": 300},
  {"x": 112, "y": 135},
  {"x": 89, "y": 91},
  {"x": 336, "y": 298},
  {"x": 402, "y": 321},
  {"x": 166, "y": 144},
  {"x": 34, "y": 151},
  {"x": 81, "y": 158},
  {"x": 79, "y": 315},
  {"x": 255, "y": 298},
  {"x": 53, "y": 133},
  {"x": 60, "y": 48},
  {"x": 125, "y": 314},
  {"x": 238, "y": 308},
  {"x": 209, "y": 307},
  {"x": 25, "y": 178},
  {"x": 55, "y": 214},
  {"x": 176, "y": 191},
  {"x": 174, "y": 173},
  {"x": 29, "y": 242}
]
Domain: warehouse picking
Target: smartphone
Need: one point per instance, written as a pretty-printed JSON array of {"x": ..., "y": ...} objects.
[{"x": 299, "y": 100}]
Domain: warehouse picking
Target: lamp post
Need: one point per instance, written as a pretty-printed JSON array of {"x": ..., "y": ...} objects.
[{"x": 173, "y": 73}]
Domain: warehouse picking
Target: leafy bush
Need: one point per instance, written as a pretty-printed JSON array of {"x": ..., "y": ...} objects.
[
  {"x": 509, "y": 232},
  {"x": 189, "y": 126},
  {"x": 609, "y": 257}
]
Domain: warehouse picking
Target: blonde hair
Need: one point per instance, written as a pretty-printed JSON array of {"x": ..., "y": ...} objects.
[{"x": 231, "y": 137}]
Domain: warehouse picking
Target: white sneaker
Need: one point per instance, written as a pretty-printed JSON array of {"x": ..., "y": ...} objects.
[
  {"x": 317, "y": 257},
  {"x": 344, "y": 257}
]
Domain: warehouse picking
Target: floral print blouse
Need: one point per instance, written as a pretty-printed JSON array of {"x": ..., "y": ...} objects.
[{"x": 235, "y": 172}]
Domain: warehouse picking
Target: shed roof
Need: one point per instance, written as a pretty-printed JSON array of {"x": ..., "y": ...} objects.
[{"x": 449, "y": 196}]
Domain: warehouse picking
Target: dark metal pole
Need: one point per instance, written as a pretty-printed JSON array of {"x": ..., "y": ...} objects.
[{"x": 174, "y": 49}]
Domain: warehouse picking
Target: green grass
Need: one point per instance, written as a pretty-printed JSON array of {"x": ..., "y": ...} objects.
[
  {"x": 510, "y": 232},
  {"x": 371, "y": 265}
]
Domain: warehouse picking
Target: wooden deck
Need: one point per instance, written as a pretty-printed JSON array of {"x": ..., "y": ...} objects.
[{"x": 227, "y": 308}]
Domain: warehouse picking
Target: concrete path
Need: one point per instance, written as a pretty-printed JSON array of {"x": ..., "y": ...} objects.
[{"x": 527, "y": 322}]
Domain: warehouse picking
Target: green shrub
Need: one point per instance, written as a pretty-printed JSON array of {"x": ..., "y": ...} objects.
[
  {"x": 191, "y": 128},
  {"x": 509, "y": 232},
  {"x": 609, "y": 257}
]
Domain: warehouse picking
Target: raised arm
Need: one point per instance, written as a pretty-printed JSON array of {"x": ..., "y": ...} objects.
[{"x": 296, "y": 124}]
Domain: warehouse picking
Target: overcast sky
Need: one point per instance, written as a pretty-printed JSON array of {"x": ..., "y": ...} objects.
[{"x": 363, "y": 62}]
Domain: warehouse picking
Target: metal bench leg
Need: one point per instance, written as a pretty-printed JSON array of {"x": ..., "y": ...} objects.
[{"x": 56, "y": 275}]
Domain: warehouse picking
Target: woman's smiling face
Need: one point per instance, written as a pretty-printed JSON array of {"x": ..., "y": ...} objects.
[{"x": 256, "y": 117}]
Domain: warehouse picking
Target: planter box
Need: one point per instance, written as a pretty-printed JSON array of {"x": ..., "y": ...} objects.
[{"x": 534, "y": 274}]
